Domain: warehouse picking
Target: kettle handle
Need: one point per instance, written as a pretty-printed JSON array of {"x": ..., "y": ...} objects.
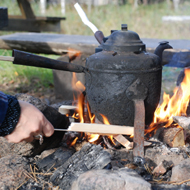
[{"x": 99, "y": 36}]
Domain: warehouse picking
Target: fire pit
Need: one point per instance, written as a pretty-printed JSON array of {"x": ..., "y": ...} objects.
[
  {"x": 122, "y": 80},
  {"x": 123, "y": 84}
]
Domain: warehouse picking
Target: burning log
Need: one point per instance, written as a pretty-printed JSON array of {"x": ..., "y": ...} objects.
[
  {"x": 172, "y": 136},
  {"x": 184, "y": 122},
  {"x": 89, "y": 157},
  {"x": 56, "y": 159}
]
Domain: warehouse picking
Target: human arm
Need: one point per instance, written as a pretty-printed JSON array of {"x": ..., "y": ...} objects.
[{"x": 30, "y": 123}]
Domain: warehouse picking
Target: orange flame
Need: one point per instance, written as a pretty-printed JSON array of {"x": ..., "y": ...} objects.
[
  {"x": 105, "y": 121},
  {"x": 74, "y": 141},
  {"x": 174, "y": 106},
  {"x": 82, "y": 106},
  {"x": 92, "y": 137},
  {"x": 72, "y": 53}
]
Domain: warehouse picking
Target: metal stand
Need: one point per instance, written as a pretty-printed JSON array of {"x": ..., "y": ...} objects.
[{"x": 137, "y": 92}]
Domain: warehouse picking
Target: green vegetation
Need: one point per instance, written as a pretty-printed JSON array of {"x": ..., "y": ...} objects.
[
  {"x": 14, "y": 72},
  {"x": 145, "y": 20},
  {"x": 15, "y": 78}
]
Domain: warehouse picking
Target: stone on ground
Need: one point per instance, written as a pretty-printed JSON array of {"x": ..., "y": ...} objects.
[{"x": 122, "y": 179}]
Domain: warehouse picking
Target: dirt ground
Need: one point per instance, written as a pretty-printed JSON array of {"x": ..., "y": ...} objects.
[{"x": 45, "y": 93}]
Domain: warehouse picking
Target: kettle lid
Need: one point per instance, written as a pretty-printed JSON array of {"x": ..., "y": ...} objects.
[{"x": 124, "y": 40}]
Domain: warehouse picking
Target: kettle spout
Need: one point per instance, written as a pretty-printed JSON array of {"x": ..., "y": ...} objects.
[{"x": 159, "y": 50}]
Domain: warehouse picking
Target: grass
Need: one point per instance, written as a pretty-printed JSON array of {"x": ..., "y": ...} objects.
[
  {"x": 13, "y": 72},
  {"x": 18, "y": 78},
  {"x": 145, "y": 20},
  {"x": 169, "y": 79}
]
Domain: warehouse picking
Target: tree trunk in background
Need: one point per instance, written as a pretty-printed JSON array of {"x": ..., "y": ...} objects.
[
  {"x": 169, "y": 4},
  {"x": 145, "y": 2},
  {"x": 43, "y": 6},
  {"x": 135, "y": 3},
  {"x": 63, "y": 7},
  {"x": 176, "y": 4},
  {"x": 89, "y": 2}
]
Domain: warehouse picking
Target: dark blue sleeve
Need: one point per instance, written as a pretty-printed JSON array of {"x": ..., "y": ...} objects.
[
  {"x": 9, "y": 113},
  {"x": 3, "y": 106}
]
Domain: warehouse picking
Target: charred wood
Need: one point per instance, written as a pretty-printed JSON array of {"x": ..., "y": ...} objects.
[
  {"x": 71, "y": 136},
  {"x": 59, "y": 157},
  {"x": 173, "y": 137},
  {"x": 89, "y": 157},
  {"x": 56, "y": 119}
]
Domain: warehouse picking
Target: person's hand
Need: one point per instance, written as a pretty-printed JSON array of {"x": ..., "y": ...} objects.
[{"x": 32, "y": 122}]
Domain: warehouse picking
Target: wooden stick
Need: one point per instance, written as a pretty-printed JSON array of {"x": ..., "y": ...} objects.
[
  {"x": 99, "y": 129},
  {"x": 65, "y": 109},
  {"x": 122, "y": 140},
  {"x": 6, "y": 58}
]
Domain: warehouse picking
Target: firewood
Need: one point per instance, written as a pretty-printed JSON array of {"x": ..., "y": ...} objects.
[
  {"x": 65, "y": 109},
  {"x": 56, "y": 159},
  {"x": 172, "y": 136},
  {"x": 89, "y": 157},
  {"x": 122, "y": 140},
  {"x": 184, "y": 122},
  {"x": 99, "y": 129}
]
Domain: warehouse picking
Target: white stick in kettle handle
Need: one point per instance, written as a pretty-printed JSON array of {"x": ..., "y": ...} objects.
[{"x": 84, "y": 18}]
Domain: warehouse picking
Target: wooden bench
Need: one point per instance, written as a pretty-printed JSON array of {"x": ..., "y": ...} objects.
[
  {"x": 31, "y": 23},
  {"x": 60, "y": 43},
  {"x": 4, "y": 17}
]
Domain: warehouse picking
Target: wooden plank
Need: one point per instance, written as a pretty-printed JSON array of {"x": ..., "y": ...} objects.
[
  {"x": 33, "y": 25},
  {"x": 3, "y": 17},
  {"x": 48, "y": 43},
  {"x": 26, "y": 9},
  {"x": 29, "y": 22},
  {"x": 60, "y": 43},
  {"x": 39, "y": 18},
  {"x": 102, "y": 129}
]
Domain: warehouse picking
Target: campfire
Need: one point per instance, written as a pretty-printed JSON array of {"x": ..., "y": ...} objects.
[
  {"x": 170, "y": 132},
  {"x": 170, "y": 126},
  {"x": 164, "y": 116},
  {"x": 172, "y": 106},
  {"x": 83, "y": 114}
]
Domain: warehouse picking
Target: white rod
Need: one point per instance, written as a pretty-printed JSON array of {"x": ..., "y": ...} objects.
[
  {"x": 63, "y": 7},
  {"x": 43, "y": 6},
  {"x": 84, "y": 18},
  {"x": 6, "y": 58}
]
